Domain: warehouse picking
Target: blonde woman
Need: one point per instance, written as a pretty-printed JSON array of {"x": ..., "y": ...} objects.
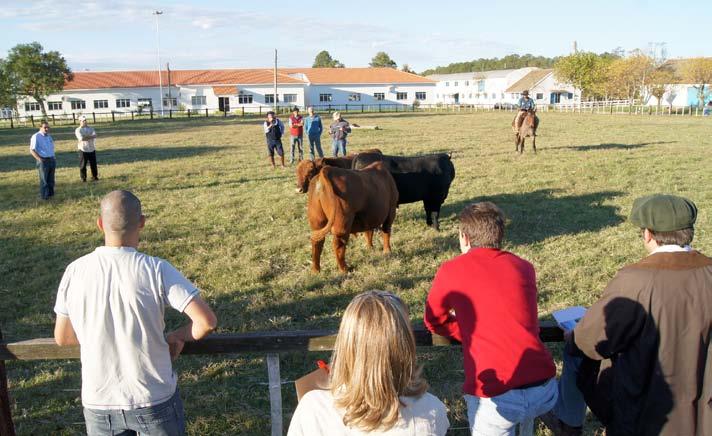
[
  {"x": 376, "y": 385},
  {"x": 339, "y": 130}
]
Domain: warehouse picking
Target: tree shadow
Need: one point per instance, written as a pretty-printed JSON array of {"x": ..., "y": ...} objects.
[
  {"x": 539, "y": 215},
  {"x": 611, "y": 146},
  {"x": 110, "y": 156}
]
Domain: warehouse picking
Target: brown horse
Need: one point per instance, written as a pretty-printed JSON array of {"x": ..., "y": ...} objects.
[{"x": 527, "y": 127}]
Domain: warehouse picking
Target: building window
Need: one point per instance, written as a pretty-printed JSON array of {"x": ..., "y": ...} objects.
[
  {"x": 355, "y": 97},
  {"x": 244, "y": 98},
  {"x": 101, "y": 104},
  {"x": 401, "y": 96},
  {"x": 481, "y": 85},
  {"x": 484, "y": 96},
  {"x": 54, "y": 105},
  {"x": 290, "y": 98},
  {"x": 324, "y": 97},
  {"x": 470, "y": 95},
  {"x": 170, "y": 102},
  {"x": 269, "y": 98},
  {"x": 420, "y": 95},
  {"x": 144, "y": 102},
  {"x": 494, "y": 96},
  {"x": 454, "y": 84},
  {"x": 32, "y": 106},
  {"x": 379, "y": 96},
  {"x": 79, "y": 104},
  {"x": 123, "y": 102},
  {"x": 571, "y": 96},
  {"x": 467, "y": 83},
  {"x": 198, "y": 100},
  {"x": 502, "y": 97},
  {"x": 539, "y": 96},
  {"x": 447, "y": 83}
]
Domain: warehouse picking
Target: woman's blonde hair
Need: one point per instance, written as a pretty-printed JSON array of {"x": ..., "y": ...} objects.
[
  {"x": 336, "y": 115},
  {"x": 374, "y": 361}
]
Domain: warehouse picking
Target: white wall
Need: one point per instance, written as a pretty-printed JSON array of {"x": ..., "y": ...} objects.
[
  {"x": 111, "y": 95},
  {"x": 340, "y": 94},
  {"x": 676, "y": 96}
]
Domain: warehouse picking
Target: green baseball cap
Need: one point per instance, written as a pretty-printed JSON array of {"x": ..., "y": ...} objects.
[{"x": 663, "y": 213}]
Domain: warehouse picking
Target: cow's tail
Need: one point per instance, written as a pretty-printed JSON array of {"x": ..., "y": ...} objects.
[{"x": 318, "y": 235}]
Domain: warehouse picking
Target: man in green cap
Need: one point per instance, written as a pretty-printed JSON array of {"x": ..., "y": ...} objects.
[{"x": 641, "y": 357}]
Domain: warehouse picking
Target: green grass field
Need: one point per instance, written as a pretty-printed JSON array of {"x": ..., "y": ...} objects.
[{"x": 238, "y": 230}]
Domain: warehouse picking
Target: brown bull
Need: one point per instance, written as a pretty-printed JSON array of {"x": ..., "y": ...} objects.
[
  {"x": 344, "y": 201},
  {"x": 307, "y": 169}
]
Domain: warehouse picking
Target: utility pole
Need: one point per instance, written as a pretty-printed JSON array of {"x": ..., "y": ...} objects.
[
  {"x": 274, "y": 101},
  {"x": 170, "y": 101},
  {"x": 158, "y": 54}
]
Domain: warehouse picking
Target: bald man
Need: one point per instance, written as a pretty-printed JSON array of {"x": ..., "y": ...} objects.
[{"x": 111, "y": 302}]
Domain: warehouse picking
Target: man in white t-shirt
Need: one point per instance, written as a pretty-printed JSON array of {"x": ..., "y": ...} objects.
[
  {"x": 111, "y": 302},
  {"x": 87, "y": 149}
]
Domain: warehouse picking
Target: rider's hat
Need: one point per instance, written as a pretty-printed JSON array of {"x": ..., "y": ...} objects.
[{"x": 525, "y": 92}]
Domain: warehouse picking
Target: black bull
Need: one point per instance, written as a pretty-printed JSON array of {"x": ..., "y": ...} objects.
[{"x": 418, "y": 178}]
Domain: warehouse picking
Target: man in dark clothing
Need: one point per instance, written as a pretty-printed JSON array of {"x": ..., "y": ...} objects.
[
  {"x": 640, "y": 358},
  {"x": 274, "y": 129}
]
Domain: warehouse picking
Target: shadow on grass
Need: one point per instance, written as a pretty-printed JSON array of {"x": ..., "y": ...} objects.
[
  {"x": 535, "y": 216},
  {"x": 611, "y": 146},
  {"x": 16, "y": 162}
]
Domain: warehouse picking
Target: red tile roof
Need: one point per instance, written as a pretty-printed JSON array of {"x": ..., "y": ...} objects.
[
  {"x": 225, "y": 90},
  {"x": 529, "y": 81},
  {"x": 142, "y": 79},
  {"x": 356, "y": 75},
  {"x": 255, "y": 76}
]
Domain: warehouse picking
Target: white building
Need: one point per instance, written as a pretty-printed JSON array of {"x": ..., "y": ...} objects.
[
  {"x": 502, "y": 87},
  {"x": 233, "y": 90}
]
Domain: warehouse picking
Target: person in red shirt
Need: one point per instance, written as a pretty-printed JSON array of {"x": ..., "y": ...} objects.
[
  {"x": 296, "y": 130},
  {"x": 486, "y": 298}
]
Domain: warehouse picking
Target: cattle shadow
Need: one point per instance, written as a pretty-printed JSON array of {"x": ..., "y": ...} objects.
[
  {"x": 535, "y": 216},
  {"x": 611, "y": 146},
  {"x": 111, "y": 156}
]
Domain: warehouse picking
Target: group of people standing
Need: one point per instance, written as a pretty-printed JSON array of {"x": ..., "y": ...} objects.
[
  {"x": 640, "y": 358},
  {"x": 42, "y": 149},
  {"x": 274, "y": 130}
]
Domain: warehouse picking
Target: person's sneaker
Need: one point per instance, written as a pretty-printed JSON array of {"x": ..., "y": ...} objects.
[
  {"x": 558, "y": 427},
  {"x": 95, "y": 179}
]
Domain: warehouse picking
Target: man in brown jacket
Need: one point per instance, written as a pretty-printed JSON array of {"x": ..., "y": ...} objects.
[{"x": 641, "y": 358}]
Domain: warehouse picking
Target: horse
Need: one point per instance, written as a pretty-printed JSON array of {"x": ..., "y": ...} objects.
[{"x": 527, "y": 128}]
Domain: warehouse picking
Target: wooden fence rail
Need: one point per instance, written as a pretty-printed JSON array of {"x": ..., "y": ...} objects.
[{"x": 269, "y": 343}]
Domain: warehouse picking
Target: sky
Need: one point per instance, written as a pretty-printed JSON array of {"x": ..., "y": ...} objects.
[{"x": 107, "y": 35}]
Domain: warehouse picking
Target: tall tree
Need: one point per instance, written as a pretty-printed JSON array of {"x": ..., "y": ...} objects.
[
  {"x": 37, "y": 73},
  {"x": 628, "y": 77},
  {"x": 8, "y": 96},
  {"x": 324, "y": 60},
  {"x": 660, "y": 82},
  {"x": 698, "y": 71},
  {"x": 406, "y": 69},
  {"x": 382, "y": 60},
  {"x": 584, "y": 70}
]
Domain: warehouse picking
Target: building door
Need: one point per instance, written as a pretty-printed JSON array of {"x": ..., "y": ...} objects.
[
  {"x": 224, "y": 104},
  {"x": 456, "y": 97},
  {"x": 555, "y": 97}
]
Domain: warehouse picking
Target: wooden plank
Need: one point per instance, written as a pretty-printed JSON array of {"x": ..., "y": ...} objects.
[
  {"x": 275, "y": 393},
  {"x": 257, "y": 342},
  {"x": 7, "y": 428}
]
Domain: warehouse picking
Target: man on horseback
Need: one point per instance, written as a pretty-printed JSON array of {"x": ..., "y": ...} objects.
[{"x": 525, "y": 104}]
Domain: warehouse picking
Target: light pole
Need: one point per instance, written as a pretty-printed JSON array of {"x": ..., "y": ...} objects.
[{"x": 158, "y": 54}]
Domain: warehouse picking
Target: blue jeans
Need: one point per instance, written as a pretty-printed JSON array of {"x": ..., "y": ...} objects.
[
  {"x": 315, "y": 141},
  {"x": 571, "y": 406},
  {"x": 338, "y": 144},
  {"x": 45, "y": 168},
  {"x": 297, "y": 141},
  {"x": 500, "y": 415},
  {"x": 165, "y": 419}
]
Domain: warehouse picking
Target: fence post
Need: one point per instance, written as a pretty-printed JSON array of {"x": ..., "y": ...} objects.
[
  {"x": 113, "y": 119},
  {"x": 170, "y": 113},
  {"x": 7, "y": 428},
  {"x": 32, "y": 118},
  {"x": 12, "y": 125},
  {"x": 224, "y": 113},
  {"x": 379, "y": 107},
  {"x": 242, "y": 110},
  {"x": 188, "y": 113},
  {"x": 275, "y": 393},
  {"x": 206, "y": 112},
  {"x": 93, "y": 114},
  {"x": 54, "y": 122},
  {"x": 132, "y": 115}
]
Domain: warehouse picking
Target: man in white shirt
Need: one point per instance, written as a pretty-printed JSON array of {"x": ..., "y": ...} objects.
[
  {"x": 111, "y": 302},
  {"x": 87, "y": 149},
  {"x": 42, "y": 149}
]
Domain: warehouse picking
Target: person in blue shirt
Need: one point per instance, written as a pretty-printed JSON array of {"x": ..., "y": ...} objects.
[
  {"x": 42, "y": 149},
  {"x": 313, "y": 127},
  {"x": 525, "y": 104}
]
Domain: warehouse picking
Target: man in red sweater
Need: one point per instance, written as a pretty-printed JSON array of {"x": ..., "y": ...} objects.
[
  {"x": 486, "y": 298},
  {"x": 296, "y": 131}
]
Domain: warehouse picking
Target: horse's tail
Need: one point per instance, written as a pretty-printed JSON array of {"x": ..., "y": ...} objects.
[{"x": 318, "y": 235}]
